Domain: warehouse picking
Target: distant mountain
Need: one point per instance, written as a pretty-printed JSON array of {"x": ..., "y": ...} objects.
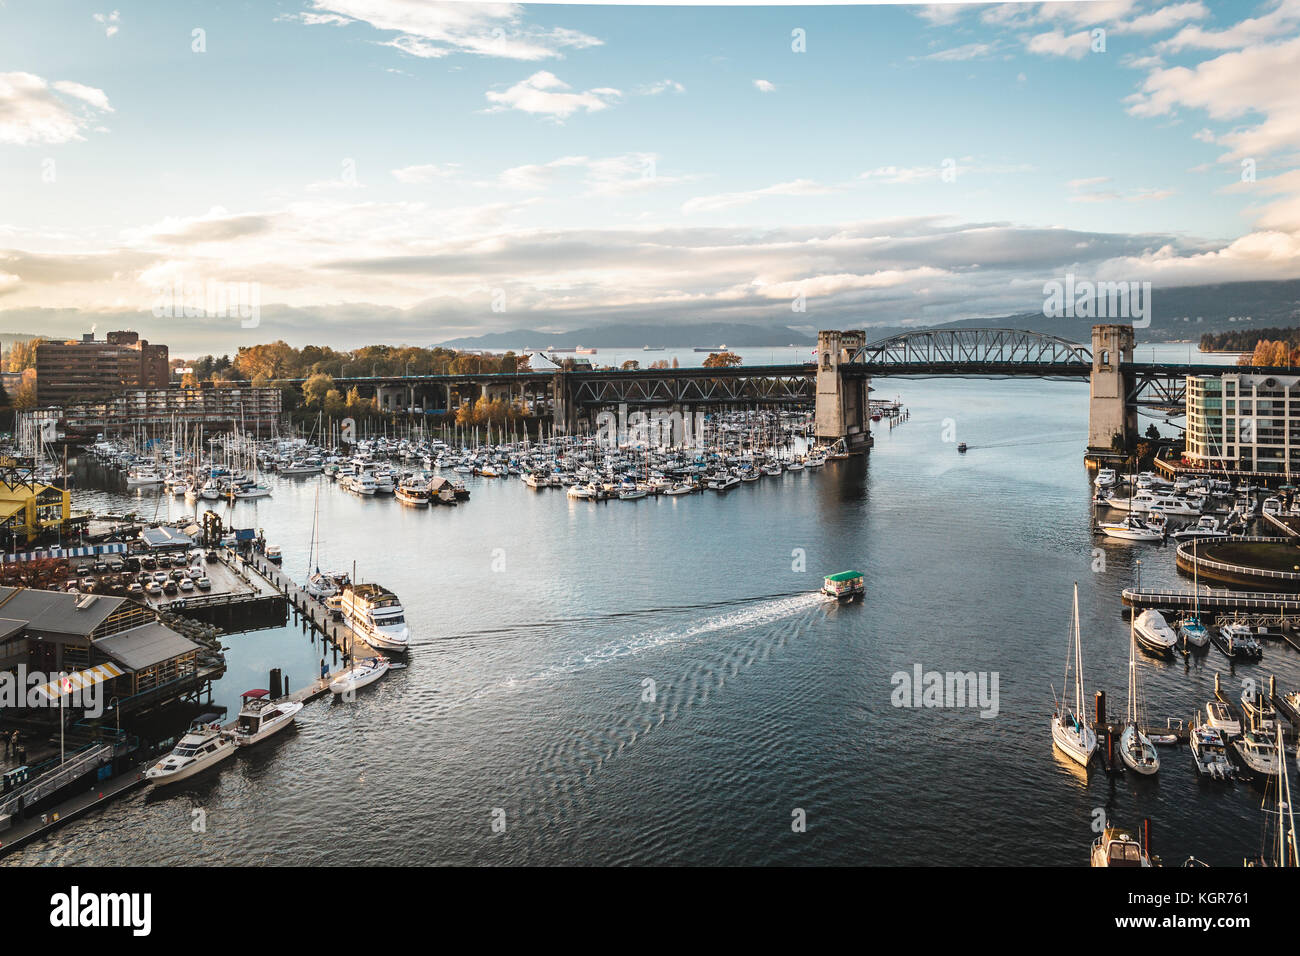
[{"x": 635, "y": 336}]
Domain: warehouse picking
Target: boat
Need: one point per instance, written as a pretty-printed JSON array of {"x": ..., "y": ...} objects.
[
  {"x": 1258, "y": 707},
  {"x": 1133, "y": 528},
  {"x": 1153, "y": 633},
  {"x": 204, "y": 745},
  {"x": 273, "y": 553},
  {"x": 1207, "y": 526},
  {"x": 375, "y": 613},
  {"x": 1258, "y": 755},
  {"x": 845, "y": 587},
  {"x": 260, "y": 717},
  {"x": 1195, "y": 635},
  {"x": 361, "y": 674},
  {"x": 582, "y": 491},
  {"x": 1283, "y": 850},
  {"x": 1209, "y": 751},
  {"x": 1106, "y": 478},
  {"x": 1237, "y": 641},
  {"x": 1137, "y": 752},
  {"x": 1219, "y": 716},
  {"x": 632, "y": 494},
  {"x": 412, "y": 491},
  {"x": 1148, "y": 500},
  {"x": 679, "y": 488},
  {"x": 1069, "y": 731},
  {"x": 1118, "y": 848},
  {"x": 961, "y": 447},
  {"x": 723, "y": 482}
]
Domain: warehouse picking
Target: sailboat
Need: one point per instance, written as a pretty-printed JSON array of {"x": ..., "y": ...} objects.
[
  {"x": 1069, "y": 731},
  {"x": 1137, "y": 752},
  {"x": 1195, "y": 635},
  {"x": 320, "y": 585},
  {"x": 1284, "y": 851}
]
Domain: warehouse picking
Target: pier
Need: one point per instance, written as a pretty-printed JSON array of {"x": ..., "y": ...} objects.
[{"x": 1188, "y": 599}]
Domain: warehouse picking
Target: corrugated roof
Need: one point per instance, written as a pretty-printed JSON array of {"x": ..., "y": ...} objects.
[
  {"x": 146, "y": 645},
  {"x": 57, "y": 611}
]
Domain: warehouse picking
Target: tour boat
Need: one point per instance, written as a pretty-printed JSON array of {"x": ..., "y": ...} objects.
[
  {"x": 1137, "y": 752},
  {"x": 361, "y": 674},
  {"x": 260, "y": 717},
  {"x": 1118, "y": 848},
  {"x": 1133, "y": 528},
  {"x": 1219, "y": 716},
  {"x": 845, "y": 587},
  {"x": 1153, "y": 633},
  {"x": 376, "y": 614},
  {"x": 1069, "y": 731},
  {"x": 204, "y": 745},
  {"x": 1209, "y": 752}
]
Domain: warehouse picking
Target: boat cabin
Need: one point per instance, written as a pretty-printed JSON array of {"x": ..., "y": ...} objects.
[{"x": 844, "y": 586}]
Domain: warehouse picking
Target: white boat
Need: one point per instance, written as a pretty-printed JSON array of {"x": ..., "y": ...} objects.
[
  {"x": 362, "y": 484},
  {"x": 1137, "y": 752},
  {"x": 1117, "y": 848},
  {"x": 1257, "y": 707},
  {"x": 1238, "y": 641},
  {"x": 273, "y": 553},
  {"x": 260, "y": 717},
  {"x": 723, "y": 482},
  {"x": 1133, "y": 528},
  {"x": 1106, "y": 478},
  {"x": 413, "y": 492},
  {"x": 680, "y": 488},
  {"x": 375, "y": 613},
  {"x": 204, "y": 745},
  {"x": 361, "y": 674},
  {"x": 1218, "y": 715},
  {"x": 1193, "y": 632},
  {"x": 142, "y": 477},
  {"x": 795, "y": 465},
  {"x": 1206, "y": 527},
  {"x": 211, "y": 491},
  {"x": 1154, "y": 633},
  {"x": 1070, "y": 732},
  {"x": 632, "y": 494},
  {"x": 1147, "y": 500},
  {"x": 1209, "y": 751},
  {"x": 1272, "y": 506},
  {"x": 296, "y": 468},
  {"x": 252, "y": 491},
  {"x": 1258, "y": 754},
  {"x": 582, "y": 491}
]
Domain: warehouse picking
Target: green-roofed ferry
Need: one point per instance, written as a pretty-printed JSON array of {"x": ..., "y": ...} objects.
[{"x": 845, "y": 587}]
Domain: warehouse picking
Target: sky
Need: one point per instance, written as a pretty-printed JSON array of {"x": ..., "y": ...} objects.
[{"x": 408, "y": 172}]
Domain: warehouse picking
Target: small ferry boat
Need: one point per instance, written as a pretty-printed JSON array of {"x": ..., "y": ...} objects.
[
  {"x": 1116, "y": 847},
  {"x": 204, "y": 745},
  {"x": 376, "y": 614},
  {"x": 845, "y": 587},
  {"x": 260, "y": 717},
  {"x": 361, "y": 674}
]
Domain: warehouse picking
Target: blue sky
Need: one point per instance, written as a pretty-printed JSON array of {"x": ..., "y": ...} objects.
[{"x": 400, "y": 165}]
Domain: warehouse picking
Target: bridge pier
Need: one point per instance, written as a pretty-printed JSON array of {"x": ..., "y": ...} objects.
[
  {"x": 564, "y": 412},
  {"x": 843, "y": 411},
  {"x": 1112, "y": 421}
]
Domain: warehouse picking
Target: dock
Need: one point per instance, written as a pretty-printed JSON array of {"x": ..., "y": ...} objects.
[
  {"x": 34, "y": 828},
  {"x": 1212, "y": 599}
]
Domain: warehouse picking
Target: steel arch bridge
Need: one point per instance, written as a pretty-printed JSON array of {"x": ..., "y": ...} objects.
[{"x": 979, "y": 352}]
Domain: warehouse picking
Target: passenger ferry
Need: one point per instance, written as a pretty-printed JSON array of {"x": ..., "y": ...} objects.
[
  {"x": 845, "y": 587},
  {"x": 376, "y": 614}
]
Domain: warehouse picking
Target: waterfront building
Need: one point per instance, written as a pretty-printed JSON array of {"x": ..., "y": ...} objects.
[
  {"x": 1246, "y": 422},
  {"x": 90, "y": 368},
  {"x": 29, "y": 508},
  {"x": 215, "y": 407}
]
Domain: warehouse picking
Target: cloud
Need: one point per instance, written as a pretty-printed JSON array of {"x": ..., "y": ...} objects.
[
  {"x": 1278, "y": 22},
  {"x": 31, "y": 113},
  {"x": 110, "y": 21},
  {"x": 427, "y": 173},
  {"x": 432, "y": 30},
  {"x": 797, "y": 187},
  {"x": 1058, "y": 43},
  {"x": 662, "y": 86},
  {"x": 545, "y": 94},
  {"x": 970, "y": 51},
  {"x": 763, "y": 86}
]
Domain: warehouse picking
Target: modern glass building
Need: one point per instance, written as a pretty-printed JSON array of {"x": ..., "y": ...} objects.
[{"x": 1244, "y": 422}]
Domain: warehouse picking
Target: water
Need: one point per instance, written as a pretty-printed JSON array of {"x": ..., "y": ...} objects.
[{"x": 525, "y": 689}]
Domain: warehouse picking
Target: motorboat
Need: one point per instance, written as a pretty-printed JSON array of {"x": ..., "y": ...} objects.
[
  {"x": 1219, "y": 716},
  {"x": 845, "y": 587},
  {"x": 723, "y": 482},
  {"x": 204, "y": 745},
  {"x": 632, "y": 494},
  {"x": 1106, "y": 478},
  {"x": 1134, "y": 528},
  {"x": 375, "y": 613},
  {"x": 1069, "y": 730},
  {"x": 260, "y": 717},
  {"x": 273, "y": 553},
  {"x": 412, "y": 491},
  {"x": 1148, "y": 500},
  {"x": 1118, "y": 848},
  {"x": 1258, "y": 754},
  {"x": 1207, "y": 526},
  {"x": 1209, "y": 751},
  {"x": 1153, "y": 633},
  {"x": 1238, "y": 642},
  {"x": 361, "y": 674},
  {"x": 1257, "y": 707}
]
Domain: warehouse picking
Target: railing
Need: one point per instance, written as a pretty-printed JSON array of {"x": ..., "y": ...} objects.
[
  {"x": 95, "y": 755},
  {"x": 1242, "y": 569}
]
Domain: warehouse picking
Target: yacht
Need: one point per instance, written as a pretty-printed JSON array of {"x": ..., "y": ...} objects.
[
  {"x": 1069, "y": 731},
  {"x": 1238, "y": 642},
  {"x": 1153, "y": 633},
  {"x": 362, "y": 484},
  {"x": 1134, "y": 528},
  {"x": 724, "y": 482},
  {"x": 1106, "y": 478},
  {"x": 1116, "y": 847},
  {"x": 310, "y": 467},
  {"x": 260, "y": 717},
  {"x": 1258, "y": 754},
  {"x": 1272, "y": 506},
  {"x": 361, "y": 674},
  {"x": 1147, "y": 500},
  {"x": 1209, "y": 751},
  {"x": 412, "y": 491},
  {"x": 1219, "y": 716},
  {"x": 375, "y": 613},
  {"x": 1258, "y": 708},
  {"x": 1206, "y": 527},
  {"x": 143, "y": 476},
  {"x": 204, "y": 745}
]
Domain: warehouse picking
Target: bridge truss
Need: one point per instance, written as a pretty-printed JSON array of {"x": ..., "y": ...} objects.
[{"x": 973, "y": 352}]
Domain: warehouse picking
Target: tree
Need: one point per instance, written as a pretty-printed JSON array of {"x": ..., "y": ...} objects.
[
  {"x": 1153, "y": 433},
  {"x": 631, "y": 365},
  {"x": 25, "y": 396},
  {"x": 722, "y": 360},
  {"x": 316, "y": 388}
]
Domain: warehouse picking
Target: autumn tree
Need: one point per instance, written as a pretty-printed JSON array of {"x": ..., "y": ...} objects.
[{"x": 722, "y": 360}]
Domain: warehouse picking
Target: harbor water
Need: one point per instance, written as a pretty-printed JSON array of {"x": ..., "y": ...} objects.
[{"x": 659, "y": 681}]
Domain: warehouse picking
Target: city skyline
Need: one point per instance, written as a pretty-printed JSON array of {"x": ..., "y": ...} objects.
[{"x": 434, "y": 171}]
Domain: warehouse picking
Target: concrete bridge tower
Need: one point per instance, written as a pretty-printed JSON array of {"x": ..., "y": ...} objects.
[
  {"x": 842, "y": 406},
  {"x": 1109, "y": 413}
]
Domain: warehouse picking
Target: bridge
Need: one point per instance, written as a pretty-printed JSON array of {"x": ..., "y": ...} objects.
[{"x": 837, "y": 384}]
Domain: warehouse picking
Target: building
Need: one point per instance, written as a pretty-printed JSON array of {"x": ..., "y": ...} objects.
[
  {"x": 1246, "y": 422},
  {"x": 215, "y": 408},
  {"x": 95, "y": 639},
  {"x": 90, "y": 368},
  {"x": 29, "y": 508}
]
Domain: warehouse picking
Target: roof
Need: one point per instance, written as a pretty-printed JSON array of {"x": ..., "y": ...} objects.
[
  {"x": 57, "y": 611},
  {"x": 146, "y": 645},
  {"x": 9, "y": 627},
  {"x": 844, "y": 576},
  {"x": 165, "y": 538},
  {"x": 538, "y": 362}
]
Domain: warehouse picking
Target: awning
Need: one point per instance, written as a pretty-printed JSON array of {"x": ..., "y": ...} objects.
[
  {"x": 86, "y": 552},
  {"x": 79, "y": 681}
]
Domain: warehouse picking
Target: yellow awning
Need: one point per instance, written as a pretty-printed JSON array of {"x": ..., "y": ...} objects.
[{"x": 80, "y": 680}]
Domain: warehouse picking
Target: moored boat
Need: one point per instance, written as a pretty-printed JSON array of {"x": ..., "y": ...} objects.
[
  {"x": 204, "y": 745},
  {"x": 260, "y": 717},
  {"x": 375, "y": 613},
  {"x": 361, "y": 674}
]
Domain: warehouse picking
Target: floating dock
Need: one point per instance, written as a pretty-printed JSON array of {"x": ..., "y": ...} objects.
[{"x": 1212, "y": 600}]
